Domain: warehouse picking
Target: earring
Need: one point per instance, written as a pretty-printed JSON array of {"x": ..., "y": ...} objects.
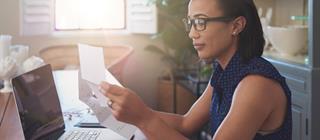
[{"x": 234, "y": 33}]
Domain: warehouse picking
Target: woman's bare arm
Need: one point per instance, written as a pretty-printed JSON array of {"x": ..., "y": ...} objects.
[
  {"x": 254, "y": 100},
  {"x": 194, "y": 119}
]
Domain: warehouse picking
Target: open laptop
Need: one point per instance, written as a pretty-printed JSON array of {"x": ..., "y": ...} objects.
[{"x": 40, "y": 112}]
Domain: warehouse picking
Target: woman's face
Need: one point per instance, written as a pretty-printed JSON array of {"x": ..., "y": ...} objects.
[{"x": 217, "y": 38}]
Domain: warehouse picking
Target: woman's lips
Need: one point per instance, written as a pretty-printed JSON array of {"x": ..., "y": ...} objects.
[{"x": 198, "y": 46}]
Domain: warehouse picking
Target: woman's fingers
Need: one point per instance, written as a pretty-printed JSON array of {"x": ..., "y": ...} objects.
[
  {"x": 115, "y": 93},
  {"x": 114, "y": 106},
  {"x": 109, "y": 88},
  {"x": 117, "y": 111},
  {"x": 125, "y": 105}
]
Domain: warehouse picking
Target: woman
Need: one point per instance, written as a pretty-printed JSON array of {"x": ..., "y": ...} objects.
[{"x": 246, "y": 98}]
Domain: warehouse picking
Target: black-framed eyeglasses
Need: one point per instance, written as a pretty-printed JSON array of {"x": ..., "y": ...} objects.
[{"x": 200, "y": 23}]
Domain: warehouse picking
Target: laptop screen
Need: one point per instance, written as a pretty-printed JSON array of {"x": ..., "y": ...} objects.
[{"x": 38, "y": 103}]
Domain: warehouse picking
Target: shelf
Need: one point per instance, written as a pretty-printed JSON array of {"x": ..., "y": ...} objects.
[
  {"x": 282, "y": 15},
  {"x": 299, "y": 59}
]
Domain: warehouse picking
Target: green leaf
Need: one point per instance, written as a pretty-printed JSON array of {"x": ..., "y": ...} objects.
[
  {"x": 177, "y": 50},
  {"x": 155, "y": 49},
  {"x": 206, "y": 70}
]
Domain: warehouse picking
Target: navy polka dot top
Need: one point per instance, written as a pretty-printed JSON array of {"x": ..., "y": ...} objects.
[{"x": 224, "y": 83}]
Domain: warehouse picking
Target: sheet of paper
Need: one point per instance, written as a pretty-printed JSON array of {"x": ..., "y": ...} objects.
[
  {"x": 90, "y": 94},
  {"x": 91, "y": 63},
  {"x": 93, "y": 69},
  {"x": 103, "y": 100},
  {"x": 111, "y": 79},
  {"x": 103, "y": 113}
]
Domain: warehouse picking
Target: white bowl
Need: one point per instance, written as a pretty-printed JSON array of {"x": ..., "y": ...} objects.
[{"x": 290, "y": 40}]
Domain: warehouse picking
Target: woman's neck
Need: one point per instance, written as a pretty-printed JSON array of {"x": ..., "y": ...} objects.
[{"x": 226, "y": 57}]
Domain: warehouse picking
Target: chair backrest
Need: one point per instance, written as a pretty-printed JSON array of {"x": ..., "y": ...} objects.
[
  {"x": 67, "y": 57},
  {"x": 61, "y": 56}
]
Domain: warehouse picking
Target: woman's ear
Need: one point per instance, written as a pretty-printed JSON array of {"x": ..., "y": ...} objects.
[{"x": 238, "y": 25}]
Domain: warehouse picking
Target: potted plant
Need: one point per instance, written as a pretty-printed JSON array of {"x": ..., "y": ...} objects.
[{"x": 178, "y": 54}]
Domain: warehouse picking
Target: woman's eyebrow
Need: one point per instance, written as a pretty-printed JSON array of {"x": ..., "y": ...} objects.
[{"x": 197, "y": 15}]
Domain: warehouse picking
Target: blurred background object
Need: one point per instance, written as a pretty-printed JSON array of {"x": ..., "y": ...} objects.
[
  {"x": 8, "y": 69},
  {"x": 289, "y": 40},
  {"x": 5, "y": 43},
  {"x": 32, "y": 63}
]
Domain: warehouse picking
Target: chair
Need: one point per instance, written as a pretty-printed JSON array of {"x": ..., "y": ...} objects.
[{"x": 62, "y": 57}]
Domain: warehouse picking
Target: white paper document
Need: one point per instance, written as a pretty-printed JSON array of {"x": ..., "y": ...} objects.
[
  {"x": 92, "y": 72},
  {"x": 91, "y": 63}
]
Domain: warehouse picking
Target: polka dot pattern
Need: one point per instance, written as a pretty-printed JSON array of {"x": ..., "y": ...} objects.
[{"x": 225, "y": 81}]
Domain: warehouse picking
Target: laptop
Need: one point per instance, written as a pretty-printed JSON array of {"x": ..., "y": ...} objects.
[{"x": 40, "y": 112}]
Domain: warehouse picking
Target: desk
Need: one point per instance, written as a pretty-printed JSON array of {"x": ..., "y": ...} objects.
[
  {"x": 67, "y": 88},
  {"x": 10, "y": 128}
]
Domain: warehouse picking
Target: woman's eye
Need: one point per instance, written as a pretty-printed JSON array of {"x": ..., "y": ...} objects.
[{"x": 200, "y": 22}]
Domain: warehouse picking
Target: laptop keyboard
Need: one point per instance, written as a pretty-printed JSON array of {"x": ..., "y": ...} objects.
[{"x": 83, "y": 135}]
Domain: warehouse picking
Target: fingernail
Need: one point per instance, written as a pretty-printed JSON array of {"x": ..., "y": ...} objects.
[{"x": 102, "y": 90}]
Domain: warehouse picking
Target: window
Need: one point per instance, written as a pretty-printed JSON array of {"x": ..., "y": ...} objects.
[
  {"x": 89, "y": 14},
  {"x": 43, "y": 17}
]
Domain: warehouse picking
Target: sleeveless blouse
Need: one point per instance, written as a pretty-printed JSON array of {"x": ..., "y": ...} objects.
[{"x": 225, "y": 82}]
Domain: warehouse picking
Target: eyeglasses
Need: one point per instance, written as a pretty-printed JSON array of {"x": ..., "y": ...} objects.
[{"x": 200, "y": 24}]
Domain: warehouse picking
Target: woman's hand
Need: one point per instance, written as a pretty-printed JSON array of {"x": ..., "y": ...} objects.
[{"x": 126, "y": 105}]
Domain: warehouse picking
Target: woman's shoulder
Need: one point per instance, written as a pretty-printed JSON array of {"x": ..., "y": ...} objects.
[
  {"x": 261, "y": 66},
  {"x": 259, "y": 63}
]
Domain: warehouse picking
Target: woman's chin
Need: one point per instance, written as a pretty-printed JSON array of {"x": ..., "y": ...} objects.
[
  {"x": 206, "y": 56},
  {"x": 203, "y": 56}
]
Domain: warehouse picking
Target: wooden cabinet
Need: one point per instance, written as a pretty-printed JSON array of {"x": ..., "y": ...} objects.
[
  {"x": 174, "y": 98},
  {"x": 299, "y": 117}
]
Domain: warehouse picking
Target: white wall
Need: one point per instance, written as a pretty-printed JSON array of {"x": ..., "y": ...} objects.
[{"x": 142, "y": 68}]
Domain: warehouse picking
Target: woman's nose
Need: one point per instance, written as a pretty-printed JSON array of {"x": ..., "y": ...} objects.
[{"x": 193, "y": 34}]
